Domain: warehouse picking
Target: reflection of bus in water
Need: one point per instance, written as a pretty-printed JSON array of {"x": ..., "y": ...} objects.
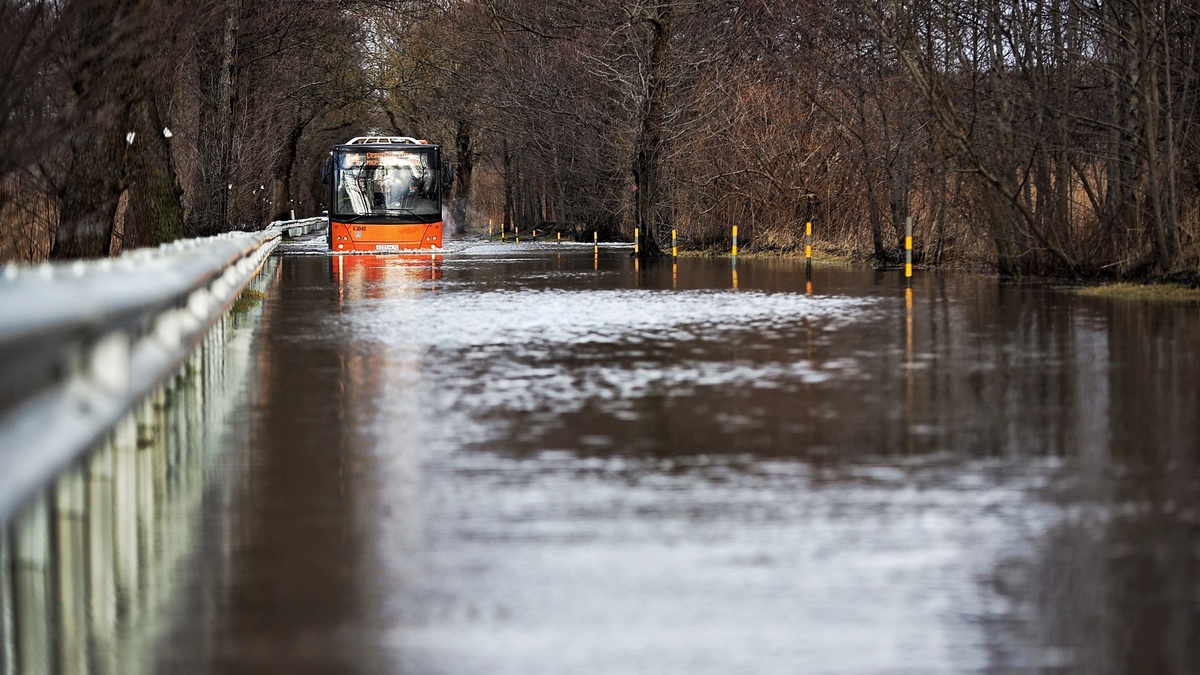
[
  {"x": 386, "y": 194},
  {"x": 379, "y": 275}
]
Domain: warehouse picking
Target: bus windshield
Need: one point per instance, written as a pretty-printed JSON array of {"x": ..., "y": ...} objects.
[{"x": 380, "y": 182}]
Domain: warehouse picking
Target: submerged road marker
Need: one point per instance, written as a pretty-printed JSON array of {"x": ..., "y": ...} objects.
[
  {"x": 908, "y": 249},
  {"x": 808, "y": 248}
]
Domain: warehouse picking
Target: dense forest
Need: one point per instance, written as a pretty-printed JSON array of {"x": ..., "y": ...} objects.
[{"x": 1047, "y": 137}]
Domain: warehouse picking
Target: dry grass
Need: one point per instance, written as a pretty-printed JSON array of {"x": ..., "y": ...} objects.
[{"x": 1156, "y": 292}]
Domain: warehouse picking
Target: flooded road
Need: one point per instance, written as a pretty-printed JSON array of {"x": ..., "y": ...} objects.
[{"x": 530, "y": 460}]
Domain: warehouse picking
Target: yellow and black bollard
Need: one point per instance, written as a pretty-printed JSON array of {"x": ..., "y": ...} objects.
[
  {"x": 637, "y": 256},
  {"x": 808, "y": 249},
  {"x": 908, "y": 241}
]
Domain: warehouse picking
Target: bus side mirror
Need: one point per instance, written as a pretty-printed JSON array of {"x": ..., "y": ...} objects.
[
  {"x": 325, "y": 171},
  {"x": 448, "y": 174}
]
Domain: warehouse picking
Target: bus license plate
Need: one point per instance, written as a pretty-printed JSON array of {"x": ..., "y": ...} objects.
[{"x": 387, "y": 247}]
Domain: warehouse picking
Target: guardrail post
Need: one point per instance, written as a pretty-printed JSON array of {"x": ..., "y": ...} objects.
[
  {"x": 101, "y": 527},
  {"x": 31, "y": 588},
  {"x": 70, "y": 496},
  {"x": 150, "y": 449},
  {"x": 125, "y": 525},
  {"x": 8, "y": 617}
]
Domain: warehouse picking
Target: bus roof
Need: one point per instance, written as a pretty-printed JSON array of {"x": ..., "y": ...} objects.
[{"x": 386, "y": 140}]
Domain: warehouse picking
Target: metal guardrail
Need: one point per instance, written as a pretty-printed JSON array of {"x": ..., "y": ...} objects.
[{"x": 82, "y": 342}]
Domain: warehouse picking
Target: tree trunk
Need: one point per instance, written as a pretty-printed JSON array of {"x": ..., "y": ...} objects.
[
  {"x": 214, "y": 137},
  {"x": 508, "y": 190},
  {"x": 155, "y": 213},
  {"x": 466, "y": 166},
  {"x": 92, "y": 186},
  {"x": 873, "y": 217},
  {"x": 224, "y": 120},
  {"x": 650, "y": 216},
  {"x": 1164, "y": 225},
  {"x": 99, "y": 144},
  {"x": 284, "y": 168}
]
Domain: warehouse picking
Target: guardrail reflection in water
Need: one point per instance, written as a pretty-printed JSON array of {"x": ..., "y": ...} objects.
[{"x": 87, "y": 564}]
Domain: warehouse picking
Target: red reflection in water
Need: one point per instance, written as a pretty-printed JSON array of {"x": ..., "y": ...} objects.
[
  {"x": 355, "y": 269},
  {"x": 359, "y": 276}
]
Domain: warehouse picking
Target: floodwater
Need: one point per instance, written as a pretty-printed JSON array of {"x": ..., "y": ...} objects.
[{"x": 527, "y": 460}]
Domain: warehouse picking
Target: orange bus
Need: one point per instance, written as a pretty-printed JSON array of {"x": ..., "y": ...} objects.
[{"x": 386, "y": 194}]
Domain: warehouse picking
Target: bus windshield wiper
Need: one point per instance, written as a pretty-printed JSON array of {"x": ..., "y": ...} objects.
[{"x": 376, "y": 213}]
